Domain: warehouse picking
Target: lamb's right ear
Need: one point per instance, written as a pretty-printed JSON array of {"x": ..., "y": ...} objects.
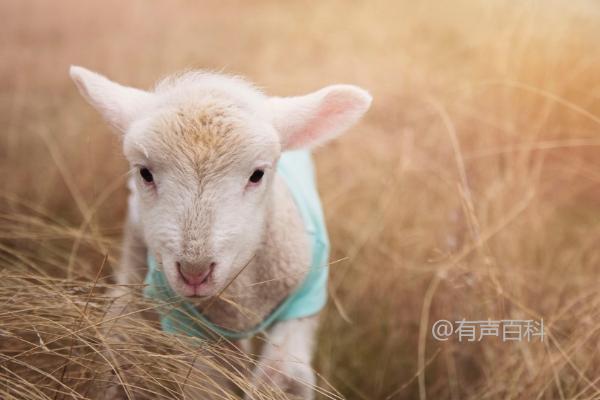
[
  {"x": 309, "y": 120},
  {"x": 118, "y": 104}
]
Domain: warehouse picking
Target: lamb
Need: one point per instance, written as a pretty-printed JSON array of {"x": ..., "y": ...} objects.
[{"x": 223, "y": 205}]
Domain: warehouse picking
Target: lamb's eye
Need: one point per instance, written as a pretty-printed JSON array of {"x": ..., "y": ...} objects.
[
  {"x": 146, "y": 175},
  {"x": 256, "y": 176}
]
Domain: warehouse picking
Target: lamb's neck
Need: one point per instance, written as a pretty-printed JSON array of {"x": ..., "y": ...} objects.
[{"x": 277, "y": 269}]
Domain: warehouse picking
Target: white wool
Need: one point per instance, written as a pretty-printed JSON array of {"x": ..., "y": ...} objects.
[{"x": 201, "y": 136}]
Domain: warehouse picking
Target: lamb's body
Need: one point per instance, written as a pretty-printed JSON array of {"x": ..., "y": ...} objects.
[
  {"x": 198, "y": 137},
  {"x": 279, "y": 267}
]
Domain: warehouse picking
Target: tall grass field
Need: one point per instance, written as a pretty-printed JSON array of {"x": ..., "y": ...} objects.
[{"x": 470, "y": 191}]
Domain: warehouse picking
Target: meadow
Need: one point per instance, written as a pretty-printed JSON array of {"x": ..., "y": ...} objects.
[{"x": 471, "y": 190}]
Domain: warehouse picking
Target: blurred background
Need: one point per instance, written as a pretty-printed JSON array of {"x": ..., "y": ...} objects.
[{"x": 470, "y": 190}]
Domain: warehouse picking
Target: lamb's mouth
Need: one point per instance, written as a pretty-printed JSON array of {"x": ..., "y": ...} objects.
[{"x": 202, "y": 289}]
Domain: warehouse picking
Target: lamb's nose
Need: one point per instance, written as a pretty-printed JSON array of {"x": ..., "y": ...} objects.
[{"x": 195, "y": 274}]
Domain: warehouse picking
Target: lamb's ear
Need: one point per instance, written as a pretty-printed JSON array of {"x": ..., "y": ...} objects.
[
  {"x": 116, "y": 103},
  {"x": 306, "y": 121}
]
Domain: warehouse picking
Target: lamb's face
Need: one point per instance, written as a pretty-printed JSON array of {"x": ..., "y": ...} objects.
[{"x": 203, "y": 174}]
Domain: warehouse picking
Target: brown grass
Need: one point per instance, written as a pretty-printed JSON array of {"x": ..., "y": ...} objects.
[{"x": 469, "y": 191}]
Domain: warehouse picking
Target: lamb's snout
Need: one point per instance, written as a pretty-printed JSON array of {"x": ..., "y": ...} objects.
[{"x": 195, "y": 274}]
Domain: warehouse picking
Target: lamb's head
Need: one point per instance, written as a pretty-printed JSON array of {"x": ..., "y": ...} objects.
[{"x": 203, "y": 150}]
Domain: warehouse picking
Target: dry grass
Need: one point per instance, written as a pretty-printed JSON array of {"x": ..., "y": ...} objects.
[{"x": 469, "y": 191}]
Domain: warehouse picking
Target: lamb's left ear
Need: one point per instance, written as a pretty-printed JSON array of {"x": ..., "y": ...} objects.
[
  {"x": 306, "y": 121},
  {"x": 118, "y": 104}
]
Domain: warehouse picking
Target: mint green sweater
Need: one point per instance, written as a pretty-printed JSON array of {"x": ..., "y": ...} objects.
[{"x": 179, "y": 316}]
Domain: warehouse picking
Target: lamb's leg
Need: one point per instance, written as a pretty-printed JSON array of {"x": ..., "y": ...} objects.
[
  {"x": 130, "y": 271},
  {"x": 285, "y": 362}
]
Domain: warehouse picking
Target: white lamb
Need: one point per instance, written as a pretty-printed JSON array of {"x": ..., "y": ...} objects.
[{"x": 223, "y": 208}]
